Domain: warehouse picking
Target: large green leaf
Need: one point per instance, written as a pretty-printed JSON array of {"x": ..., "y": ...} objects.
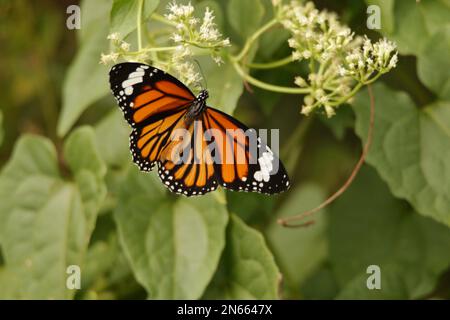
[
  {"x": 368, "y": 226},
  {"x": 32, "y": 157},
  {"x": 245, "y": 16},
  {"x": 112, "y": 139},
  {"x": 433, "y": 64},
  {"x": 247, "y": 269},
  {"x": 299, "y": 251},
  {"x": 410, "y": 149},
  {"x": 81, "y": 152},
  {"x": 46, "y": 222},
  {"x": 124, "y": 15},
  {"x": 86, "y": 80},
  {"x": 173, "y": 244},
  {"x": 93, "y": 15},
  {"x": 417, "y": 21}
]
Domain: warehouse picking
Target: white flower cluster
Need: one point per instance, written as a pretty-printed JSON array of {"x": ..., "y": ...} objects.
[
  {"x": 363, "y": 61},
  {"x": 191, "y": 31},
  {"x": 344, "y": 60},
  {"x": 120, "y": 46},
  {"x": 315, "y": 33}
]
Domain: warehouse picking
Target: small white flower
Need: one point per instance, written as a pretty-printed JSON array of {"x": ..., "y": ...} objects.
[
  {"x": 296, "y": 55},
  {"x": 329, "y": 111},
  {"x": 125, "y": 46},
  {"x": 306, "y": 110},
  {"x": 176, "y": 37},
  {"x": 218, "y": 60},
  {"x": 306, "y": 54},
  {"x": 342, "y": 71},
  {"x": 292, "y": 42},
  {"x": 113, "y": 36},
  {"x": 108, "y": 58},
  {"x": 308, "y": 100},
  {"x": 226, "y": 42},
  {"x": 299, "y": 81},
  {"x": 393, "y": 61}
]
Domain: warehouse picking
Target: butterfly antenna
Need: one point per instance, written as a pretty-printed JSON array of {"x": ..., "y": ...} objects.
[{"x": 201, "y": 71}]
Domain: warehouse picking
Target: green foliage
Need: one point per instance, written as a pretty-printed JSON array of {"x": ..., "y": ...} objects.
[
  {"x": 70, "y": 194},
  {"x": 123, "y": 15},
  {"x": 173, "y": 245},
  {"x": 245, "y": 16},
  {"x": 416, "y": 22},
  {"x": 433, "y": 64},
  {"x": 224, "y": 86},
  {"x": 86, "y": 80},
  {"x": 247, "y": 269},
  {"x": 410, "y": 250},
  {"x": 410, "y": 149},
  {"x": 46, "y": 220},
  {"x": 298, "y": 264}
]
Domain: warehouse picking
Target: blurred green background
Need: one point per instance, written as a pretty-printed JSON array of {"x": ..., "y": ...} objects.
[{"x": 70, "y": 195}]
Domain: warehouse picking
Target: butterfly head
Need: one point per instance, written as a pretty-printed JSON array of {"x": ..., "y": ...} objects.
[{"x": 203, "y": 95}]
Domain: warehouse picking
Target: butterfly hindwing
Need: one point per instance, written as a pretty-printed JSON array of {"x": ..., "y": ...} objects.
[
  {"x": 253, "y": 166},
  {"x": 192, "y": 173}
]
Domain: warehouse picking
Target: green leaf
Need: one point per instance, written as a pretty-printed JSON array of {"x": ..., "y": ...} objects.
[
  {"x": 411, "y": 250},
  {"x": 252, "y": 208},
  {"x": 86, "y": 80},
  {"x": 416, "y": 22},
  {"x": 245, "y": 16},
  {"x": 247, "y": 269},
  {"x": 341, "y": 122},
  {"x": 112, "y": 139},
  {"x": 299, "y": 252},
  {"x": 32, "y": 156},
  {"x": 410, "y": 149},
  {"x": 93, "y": 15},
  {"x": 386, "y": 12},
  {"x": 272, "y": 41},
  {"x": 46, "y": 222},
  {"x": 173, "y": 244},
  {"x": 124, "y": 15},
  {"x": 80, "y": 150},
  {"x": 433, "y": 63}
]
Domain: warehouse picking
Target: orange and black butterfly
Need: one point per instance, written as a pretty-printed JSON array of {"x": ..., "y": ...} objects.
[{"x": 158, "y": 106}]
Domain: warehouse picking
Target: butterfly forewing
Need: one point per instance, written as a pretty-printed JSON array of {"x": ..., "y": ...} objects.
[{"x": 153, "y": 102}]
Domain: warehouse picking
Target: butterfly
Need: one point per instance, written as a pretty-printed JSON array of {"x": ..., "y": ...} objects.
[{"x": 226, "y": 153}]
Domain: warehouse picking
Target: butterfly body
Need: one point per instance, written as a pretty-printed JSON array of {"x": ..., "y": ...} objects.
[
  {"x": 197, "y": 107},
  {"x": 213, "y": 149}
]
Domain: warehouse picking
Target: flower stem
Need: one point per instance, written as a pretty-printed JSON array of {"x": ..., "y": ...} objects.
[
  {"x": 267, "y": 86},
  {"x": 160, "y": 18},
  {"x": 253, "y": 38},
  {"x": 270, "y": 65},
  {"x": 150, "y": 50},
  {"x": 139, "y": 23}
]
